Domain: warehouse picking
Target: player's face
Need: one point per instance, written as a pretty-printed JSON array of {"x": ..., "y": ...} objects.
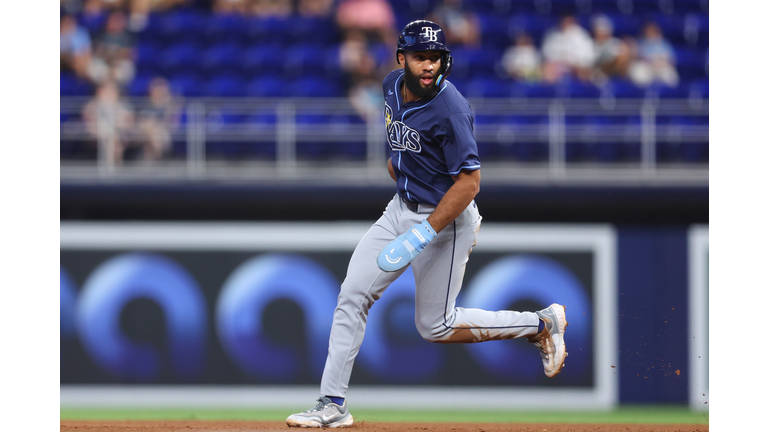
[{"x": 421, "y": 71}]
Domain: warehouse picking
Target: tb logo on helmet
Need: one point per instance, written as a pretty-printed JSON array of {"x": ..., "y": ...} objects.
[{"x": 430, "y": 34}]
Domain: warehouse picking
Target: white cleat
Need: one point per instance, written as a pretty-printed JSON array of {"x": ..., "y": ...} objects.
[
  {"x": 550, "y": 341},
  {"x": 325, "y": 415}
]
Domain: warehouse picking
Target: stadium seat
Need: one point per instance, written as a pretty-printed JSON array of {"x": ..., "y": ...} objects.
[
  {"x": 690, "y": 63},
  {"x": 699, "y": 88},
  {"x": 486, "y": 87},
  {"x": 225, "y": 86},
  {"x": 69, "y": 85},
  {"x": 140, "y": 85},
  {"x": 268, "y": 86},
  {"x": 148, "y": 57},
  {"x": 304, "y": 59},
  {"x": 578, "y": 89},
  {"x": 225, "y": 58},
  {"x": 269, "y": 30},
  {"x": 313, "y": 30},
  {"x": 181, "y": 58},
  {"x": 666, "y": 92},
  {"x": 263, "y": 59},
  {"x": 624, "y": 89},
  {"x": 521, "y": 89},
  {"x": 315, "y": 87},
  {"x": 177, "y": 26},
  {"x": 534, "y": 25},
  {"x": 187, "y": 84},
  {"x": 225, "y": 29}
]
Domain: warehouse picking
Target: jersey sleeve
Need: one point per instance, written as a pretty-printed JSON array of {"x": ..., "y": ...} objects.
[{"x": 459, "y": 145}]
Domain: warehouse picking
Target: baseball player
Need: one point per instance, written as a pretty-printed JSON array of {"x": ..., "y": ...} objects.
[{"x": 431, "y": 224}]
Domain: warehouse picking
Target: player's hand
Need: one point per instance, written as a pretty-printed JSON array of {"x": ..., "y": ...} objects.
[{"x": 402, "y": 250}]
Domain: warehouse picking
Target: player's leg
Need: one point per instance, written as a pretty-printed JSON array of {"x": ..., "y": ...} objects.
[
  {"x": 363, "y": 285},
  {"x": 439, "y": 271}
]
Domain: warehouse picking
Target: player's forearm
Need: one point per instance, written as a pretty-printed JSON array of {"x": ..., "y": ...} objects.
[
  {"x": 391, "y": 169},
  {"x": 457, "y": 198}
]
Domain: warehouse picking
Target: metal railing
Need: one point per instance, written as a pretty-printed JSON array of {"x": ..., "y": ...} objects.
[{"x": 206, "y": 123}]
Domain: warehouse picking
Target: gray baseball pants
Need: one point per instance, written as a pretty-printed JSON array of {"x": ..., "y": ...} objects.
[{"x": 438, "y": 273}]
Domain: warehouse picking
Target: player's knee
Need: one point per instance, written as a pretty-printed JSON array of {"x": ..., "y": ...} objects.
[{"x": 431, "y": 330}]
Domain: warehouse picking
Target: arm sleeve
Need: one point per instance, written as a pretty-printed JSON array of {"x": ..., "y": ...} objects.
[{"x": 459, "y": 145}]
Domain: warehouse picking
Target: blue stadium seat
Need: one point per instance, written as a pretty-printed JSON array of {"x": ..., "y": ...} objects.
[
  {"x": 140, "y": 85},
  {"x": 181, "y": 58},
  {"x": 609, "y": 6},
  {"x": 521, "y": 89},
  {"x": 495, "y": 31},
  {"x": 263, "y": 59},
  {"x": 688, "y": 6},
  {"x": 305, "y": 59},
  {"x": 699, "y": 88},
  {"x": 148, "y": 57},
  {"x": 316, "y": 87},
  {"x": 535, "y": 25},
  {"x": 672, "y": 26},
  {"x": 70, "y": 85},
  {"x": 487, "y": 87},
  {"x": 680, "y": 91},
  {"x": 478, "y": 62},
  {"x": 94, "y": 23},
  {"x": 177, "y": 26},
  {"x": 187, "y": 84},
  {"x": 625, "y": 89},
  {"x": 578, "y": 89},
  {"x": 313, "y": 30},
  {"x": 268, "y": 86},
  {"x": 269, "y": 30},
  {"x": 690, "y": 63},
  {"x": 625, "y": 25},
  {"x": 225, "y": 86},
  {"x": 225, "y": 58},
  {"x": 226, "y": 29}
]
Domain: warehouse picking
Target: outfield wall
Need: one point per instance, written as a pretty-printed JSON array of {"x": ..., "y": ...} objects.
[{"x": 209, "y": 314}]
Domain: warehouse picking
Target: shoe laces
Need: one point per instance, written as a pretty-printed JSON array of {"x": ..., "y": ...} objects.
[{"x": 322, "y": 402}]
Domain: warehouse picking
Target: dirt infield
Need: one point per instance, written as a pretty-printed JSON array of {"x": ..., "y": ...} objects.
[{"x": 235, "y": 426}]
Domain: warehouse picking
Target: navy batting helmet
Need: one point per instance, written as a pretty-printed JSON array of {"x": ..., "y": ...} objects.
[{"x": 423, "y": 35}]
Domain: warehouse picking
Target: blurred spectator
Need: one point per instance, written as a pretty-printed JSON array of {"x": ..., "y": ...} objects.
[
  {"x": 315, "y": 8},
  {"x": 230, "y": 6},
  {"x": 612, "y": 55},
  {"x": 71, "y": 7},
  {"x": 140, "y": 10},
  {"x": 374, "y": 18},
  {"x": 461, "y": 27},
  {"x": 113, "y": 54},
  {"x": 655, "y": 59},
  {"x": 271, "y": 8},
  {"x": 360, "y": 75},
  {"x": 107, "y": 118},
  {"x": 93, "y": 16},
  {"x": 74, "y": 46},
  {"x": 567, "y": 50},
  {"x": 522, "y": 61},
  {"x": 158, "y": 120}
]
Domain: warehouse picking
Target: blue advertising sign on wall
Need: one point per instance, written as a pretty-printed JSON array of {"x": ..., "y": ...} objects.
[{"x": 194, "y": 307}]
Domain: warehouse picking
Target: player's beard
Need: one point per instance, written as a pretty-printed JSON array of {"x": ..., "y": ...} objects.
[{"x": 413, "y": 84}]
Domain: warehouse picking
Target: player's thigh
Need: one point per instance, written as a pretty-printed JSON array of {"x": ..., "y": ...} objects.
[{"x": 365, "y": 280}]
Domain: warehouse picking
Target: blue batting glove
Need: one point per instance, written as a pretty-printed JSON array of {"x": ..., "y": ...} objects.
[{"x": 402, "y": 250}]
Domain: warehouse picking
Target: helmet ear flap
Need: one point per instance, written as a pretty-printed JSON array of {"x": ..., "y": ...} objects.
[{"x": 447, "y": 60}]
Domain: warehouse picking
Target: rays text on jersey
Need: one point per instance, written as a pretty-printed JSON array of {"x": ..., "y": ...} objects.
[{"x": 399, "y": 136}]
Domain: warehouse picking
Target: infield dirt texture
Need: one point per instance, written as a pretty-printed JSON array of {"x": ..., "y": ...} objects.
[{"x": 227, "y": 426}]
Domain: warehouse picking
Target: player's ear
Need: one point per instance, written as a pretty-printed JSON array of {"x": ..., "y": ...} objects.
[{"x": 401, "y": 58}]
